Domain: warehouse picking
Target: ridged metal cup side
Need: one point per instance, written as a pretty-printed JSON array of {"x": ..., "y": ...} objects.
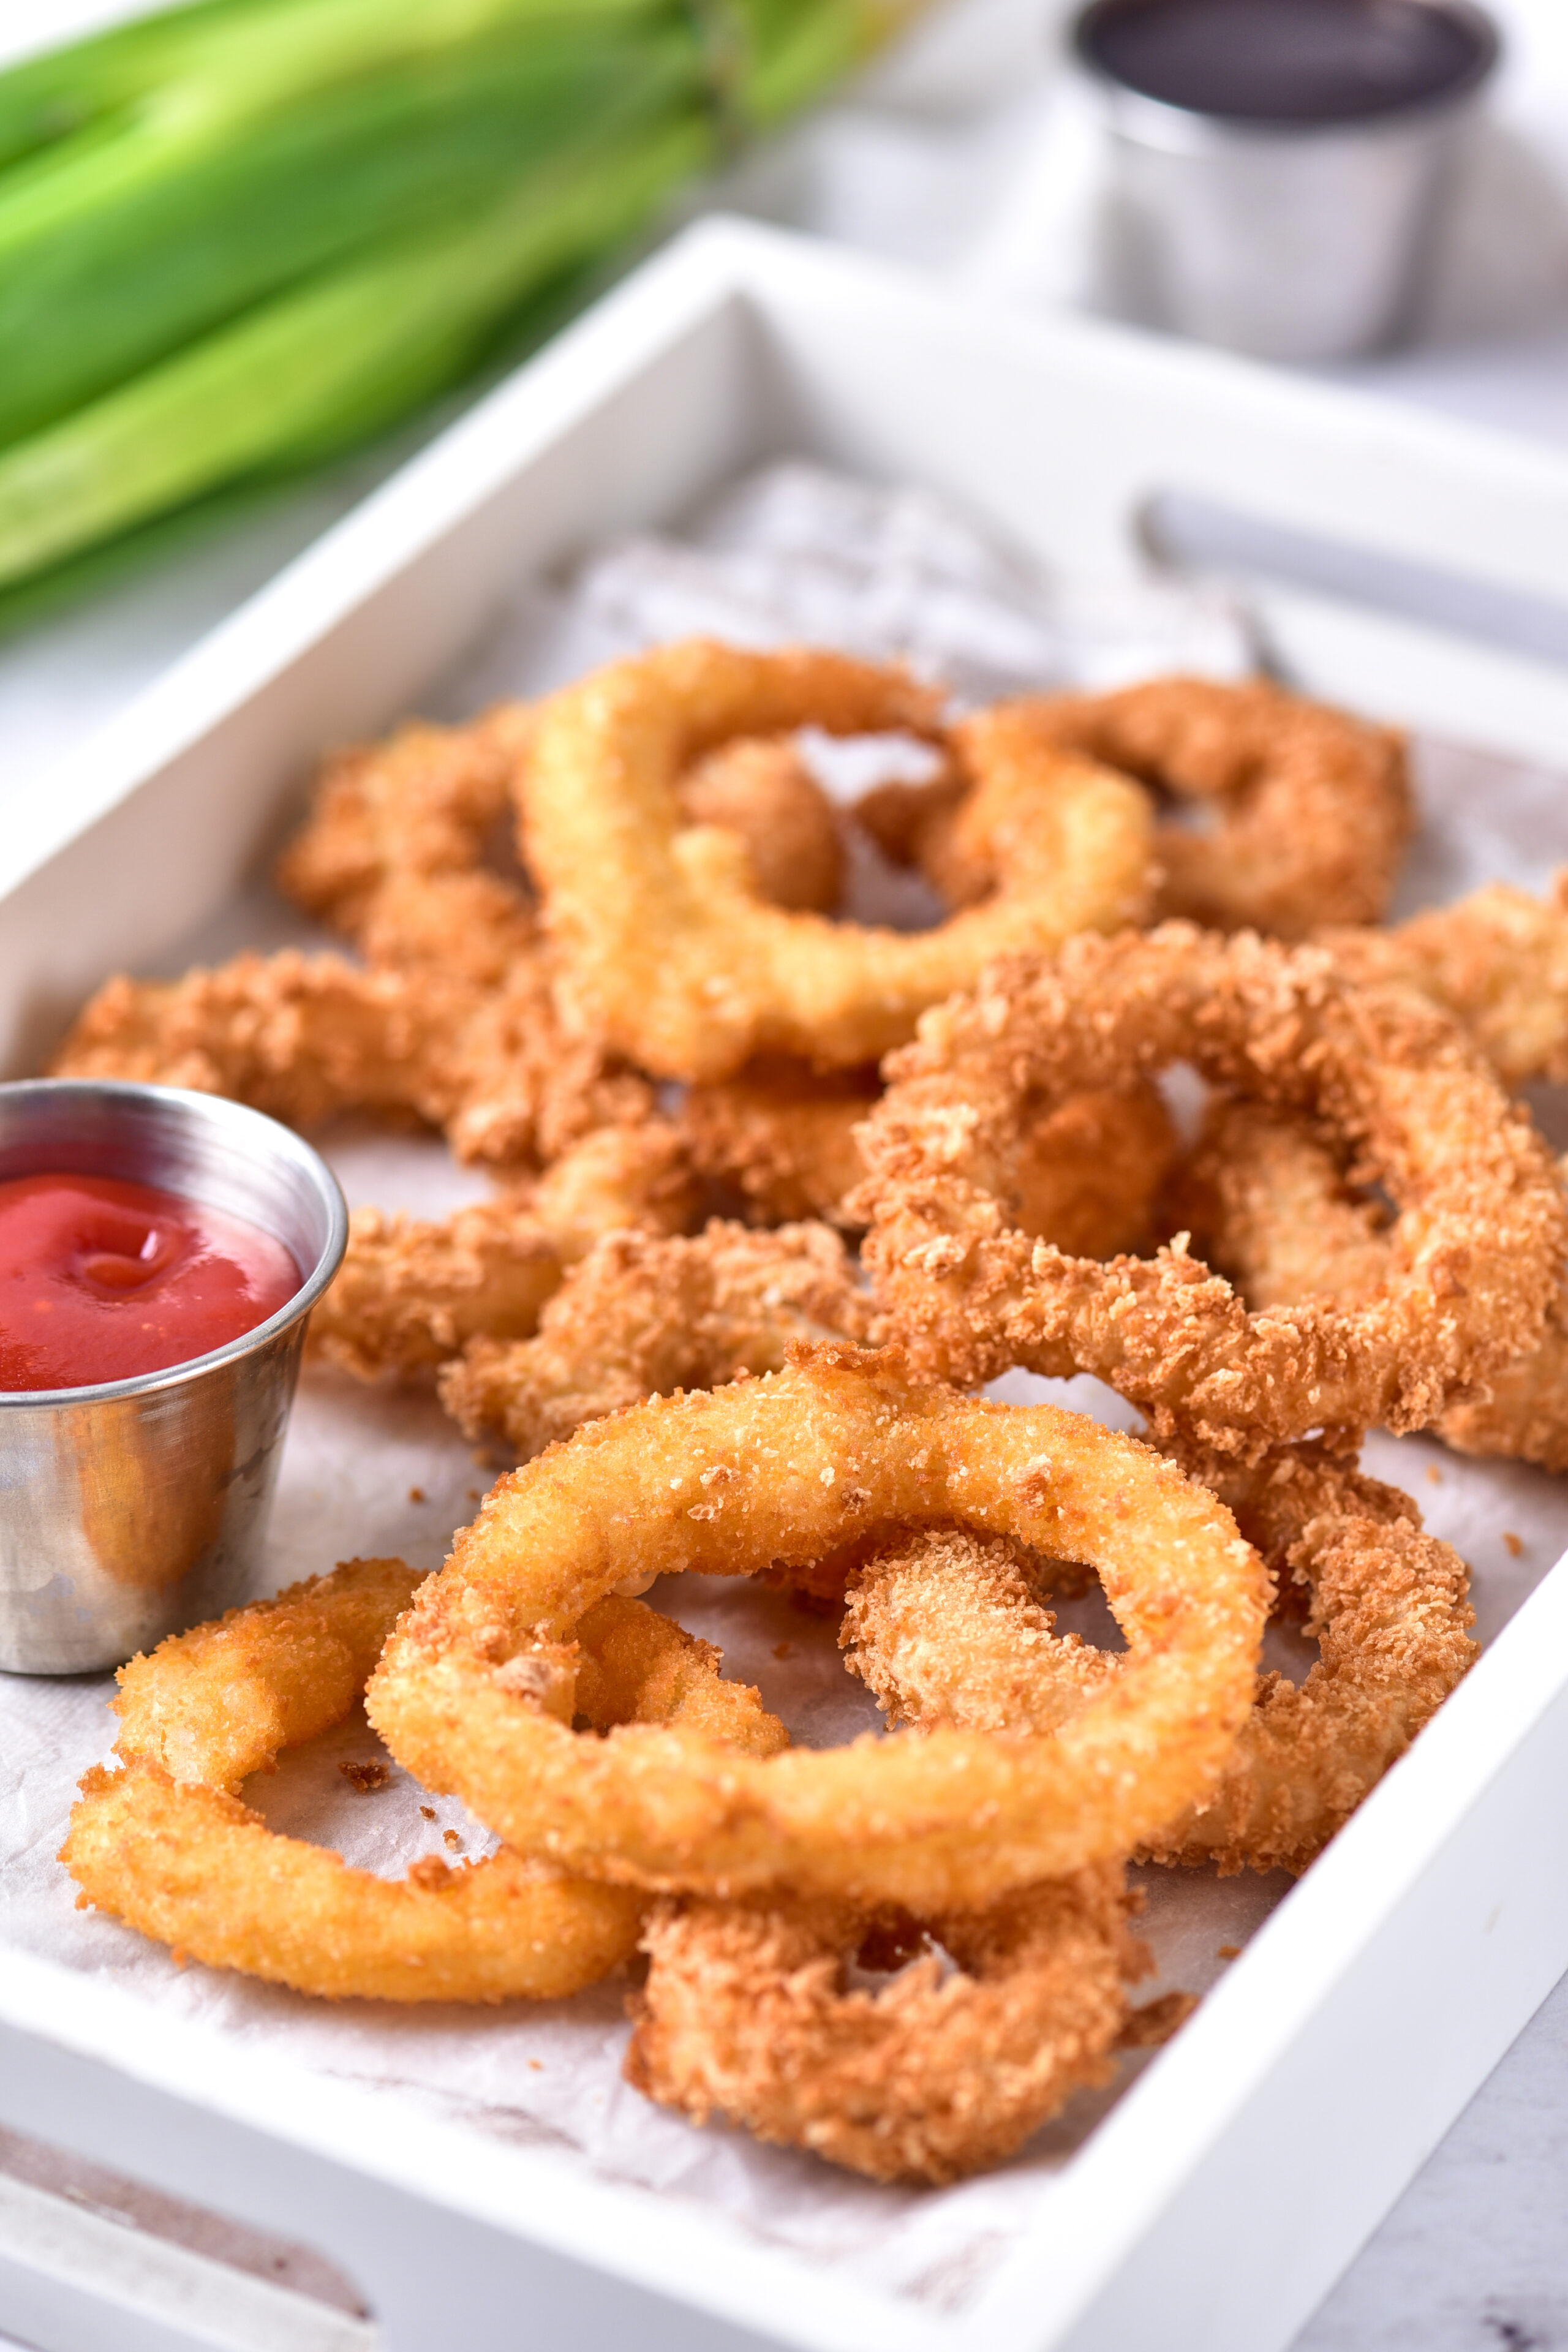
[
  {"x": 1289, "y": 240},
  {"x": 133, "y": 1508}
]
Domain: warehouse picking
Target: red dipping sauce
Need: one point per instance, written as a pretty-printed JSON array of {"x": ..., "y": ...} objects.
[{"x": 102, "y": 1279}]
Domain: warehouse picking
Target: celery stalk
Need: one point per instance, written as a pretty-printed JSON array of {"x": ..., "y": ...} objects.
[
  {"x": 325, "y": 364},
  {"x": 117, "y": 246},
  {"x": 243, "y": 234}
]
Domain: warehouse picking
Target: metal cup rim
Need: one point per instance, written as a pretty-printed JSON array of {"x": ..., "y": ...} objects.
[
  {"x": 221, "y": 1108},
  {"x": 1178, "y": 118}
]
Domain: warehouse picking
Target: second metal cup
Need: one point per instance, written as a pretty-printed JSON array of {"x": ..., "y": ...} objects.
[{"x": 1295, "y": 239}]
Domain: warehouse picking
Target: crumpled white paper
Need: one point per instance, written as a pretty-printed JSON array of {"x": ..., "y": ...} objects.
[{"x": 371, "y": 1471}]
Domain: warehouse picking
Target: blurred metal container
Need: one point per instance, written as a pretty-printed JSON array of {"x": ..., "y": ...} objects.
[
  {"x": 1274, "y": 183},
  {"x": 131, "y": 1509}
]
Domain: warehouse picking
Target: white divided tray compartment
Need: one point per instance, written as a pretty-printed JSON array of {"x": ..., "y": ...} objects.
[{"x": 1395, "y": 563}]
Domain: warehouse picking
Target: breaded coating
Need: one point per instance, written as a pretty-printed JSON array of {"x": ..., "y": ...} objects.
[
  {"x": 1269, "y": 1207},
  {"x": 394, "y": 853},
  {"x": 1312, "y": 809},
  {"x": 781, "y": 1135},
  {"x": 1498, "y": 961},
  {"x": 163, "y": 1844},
  {"x": 760, "y": 788},
  {"x": 1266, "y": 1206},
  {"x": 634, "y": 1176},
  {"x": 749, "y": 2014},
  {"x": 300, "y": 1036},
  {"x": 412, "y": 1292},
  {"x": 947, "y": 1629},
  {"x": 1480, "y": 1233},
  {"x": 477, "y": 1685},
  {"x": 947, "y": 1626},
  {"x": 666, "y": 947},
  {"x": 1388, "y": 1605},
  {"x": 642, "y": 1316},
  {"x": 785, "y": 1137}
]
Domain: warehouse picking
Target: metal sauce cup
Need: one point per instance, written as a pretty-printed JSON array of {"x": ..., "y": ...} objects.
[
  {"x": 133, "y": 1508},
  {"x": 1297, "y": 236}
]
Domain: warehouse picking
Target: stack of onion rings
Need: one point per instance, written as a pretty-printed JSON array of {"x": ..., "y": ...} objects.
[
  {"x": 948, "y": 1630},
  {"x": 782, "y": 1470},
  {"x": 1479, "y": 1243},
  {"x": 667, "y": 950}
]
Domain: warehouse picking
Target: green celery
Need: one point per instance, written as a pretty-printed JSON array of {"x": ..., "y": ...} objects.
[{"x": 328, "y": 363}]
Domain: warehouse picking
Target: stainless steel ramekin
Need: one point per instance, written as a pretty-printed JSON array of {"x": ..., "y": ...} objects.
[
  {"x": 130, "y": 1509},
  {"x": 1290, "y": 240}
]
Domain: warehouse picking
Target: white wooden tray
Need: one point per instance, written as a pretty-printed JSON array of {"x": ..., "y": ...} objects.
[{"x": 1225, "y": 2191}]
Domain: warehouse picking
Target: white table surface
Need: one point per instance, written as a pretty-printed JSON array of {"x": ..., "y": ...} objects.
[{"x": 965, "y": 155}]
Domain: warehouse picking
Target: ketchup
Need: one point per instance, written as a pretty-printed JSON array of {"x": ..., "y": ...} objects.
[{"x": 102, "y": 1279}]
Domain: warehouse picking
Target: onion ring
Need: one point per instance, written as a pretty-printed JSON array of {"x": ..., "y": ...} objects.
[
  {"x": 1480, "y": 1238},
  {"x": 665, "y": 949},
  {"x": 747, "y": 2015},
  {"x": 412, "y": 1292},
  {"x": 783, "y": 1137},
  {"x": 1498, "y": 961},
  {"x": 165, "y": 1845},
  {"x": 1314, "y": 808},
  {"x": 641, "y": 1316},
  {"x": 1276, "y": 1216},
  {"x": 392, "y": 855},
  {"x": 760, "y": 789},
  {"x": 946, "y": 1630},
  {"x": 300, "y": 1036},
  {"x": 787, "y": 1469}
]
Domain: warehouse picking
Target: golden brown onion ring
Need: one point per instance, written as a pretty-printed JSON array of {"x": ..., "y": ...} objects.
[
  {"x": 747, "y": 2015},
  {"x": 301, "y": 1036},
  {"x": 1480, "y": 1240},
  {"x": 785, "y": 1138},
  {"x": 1312, "y": 808},
  {"x": 667, "y": 948},
  {"x": 948, "y": 1629},
  {"x": 392, "y": 855},
  {"x": 164, "y": 1844},
  {"x": 760, "y": 789},
  {"x": 1498, "y": 961},
  {"x": 785, "y": 1470},
  {"x": 1271, "y": 1209},
  {"x": 642, "y": 1315},
  {"x": 412, "y": 1292}
]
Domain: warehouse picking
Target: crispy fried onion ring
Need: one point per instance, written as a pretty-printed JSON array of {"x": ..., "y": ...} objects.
[
  {"x": 668, "y": 949},
  {"x": 1498, "y": 961},
  {"x": 392, "y": 855},
  {"x": 783, "y": 1137},
  {"x": 761, "y": 790},
  {"x": 1312, "y": 807},
  {"x": 642, "y": 1316},
  {"x": 748, "y": 2014},
  {"x": 165, "y": 1844},
  {"x": 396, "y": 852},
  {"x": 412, "y": 1292},
  {"x": 948, "y": 1628},
  {"x": 1476, "y": 1250},
  {"x": 300, "y": 1036},
  {"x": 1275, "y": 1212},
  {"x": 786, "y": 1469}
]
